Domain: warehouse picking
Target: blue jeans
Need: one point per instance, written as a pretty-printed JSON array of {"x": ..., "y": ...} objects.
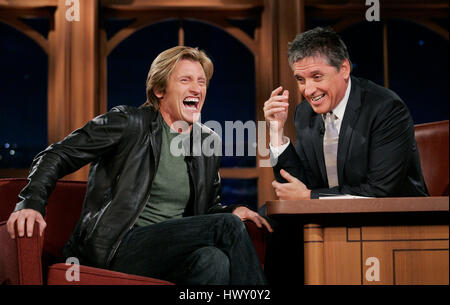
[{"x": 197, "y": 250}]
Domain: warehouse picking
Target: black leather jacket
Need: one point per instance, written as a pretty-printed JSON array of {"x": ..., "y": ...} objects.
[{"x": 123, "y": 147}]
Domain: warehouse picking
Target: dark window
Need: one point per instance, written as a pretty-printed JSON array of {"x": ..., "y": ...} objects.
[
  {"x": 230, "y": 97},
  {"x": 418, "y": 70},
  {"x": 240, "y": 191},
  {"x": 23, "y": 98},
  {"x": 231, "y": 94},
  {"x": 364, "y": 42},
  {"x": 129, "y": 62}
]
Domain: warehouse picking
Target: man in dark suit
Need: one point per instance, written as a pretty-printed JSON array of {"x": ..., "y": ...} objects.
[{"x": 352, "y": 136}]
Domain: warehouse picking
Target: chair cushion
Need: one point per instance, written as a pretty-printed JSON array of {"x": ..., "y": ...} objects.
[
  {"x": 63, "y": 211},
  {"x": 95, "y": 276},
  {"x": 9, "y": 189},
  {"x": 432, "y": 141},
  {"x": 9, "y": 270},
  {"x": 258, "y": 237}
]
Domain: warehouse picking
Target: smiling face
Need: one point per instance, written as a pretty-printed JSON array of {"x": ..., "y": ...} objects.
[
  {"x": 320, "y": 83},
  {"x": 185, "y": 93}
]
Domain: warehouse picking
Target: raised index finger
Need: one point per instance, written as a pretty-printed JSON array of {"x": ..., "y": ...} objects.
[{"x": 276, "y": 91}]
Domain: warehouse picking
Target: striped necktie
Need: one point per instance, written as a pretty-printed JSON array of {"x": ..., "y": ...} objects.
[{"x": 330, "y": 147}]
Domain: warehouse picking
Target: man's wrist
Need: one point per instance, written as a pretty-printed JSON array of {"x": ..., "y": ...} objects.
[
  {"x": 277, "y": 138},
  {"x": 307, "y": 194}
]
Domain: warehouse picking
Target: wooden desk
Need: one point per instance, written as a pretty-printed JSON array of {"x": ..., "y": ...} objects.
[{"x": 388, "y": 241}]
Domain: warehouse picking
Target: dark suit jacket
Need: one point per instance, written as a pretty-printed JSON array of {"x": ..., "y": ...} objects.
[{"x": 377, "y": 150}]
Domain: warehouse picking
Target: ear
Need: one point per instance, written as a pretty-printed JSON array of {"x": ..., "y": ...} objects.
[
  {"x": 345, "y": 69},
  {"x": 158, "y": 94}
]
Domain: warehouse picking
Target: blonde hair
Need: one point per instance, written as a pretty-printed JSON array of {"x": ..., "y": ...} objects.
[{"x": 163, "y": 66}]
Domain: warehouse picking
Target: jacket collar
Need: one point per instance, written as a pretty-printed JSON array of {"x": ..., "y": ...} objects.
[
  {"x": 317, "y": 129},
  {"x": 154, "y": 118},
  {"x": 348, "y": 123}
]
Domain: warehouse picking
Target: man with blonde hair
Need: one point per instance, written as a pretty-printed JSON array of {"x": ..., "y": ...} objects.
[{"x": 147, "y": 211}]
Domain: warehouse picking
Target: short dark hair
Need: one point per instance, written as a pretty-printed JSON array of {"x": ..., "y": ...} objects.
[{"x": 318, "y": 42}]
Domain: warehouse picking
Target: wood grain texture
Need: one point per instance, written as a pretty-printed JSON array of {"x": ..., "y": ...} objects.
[{"x": 372, "y": 205}]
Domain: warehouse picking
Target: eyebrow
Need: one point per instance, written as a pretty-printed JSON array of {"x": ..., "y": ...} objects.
[
  {"x": 314, "y": 72},
  {"x": 192, "y": 77}
]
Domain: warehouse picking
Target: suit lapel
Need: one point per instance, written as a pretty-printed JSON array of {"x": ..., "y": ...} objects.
[
  {"x": 317, "y": 130},
  {"x": 347, "y": 128}
]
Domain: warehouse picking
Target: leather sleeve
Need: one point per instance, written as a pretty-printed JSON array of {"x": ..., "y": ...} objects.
[
  {"x": 79, "y": 148},
  {"x": 217, "y": 207}
]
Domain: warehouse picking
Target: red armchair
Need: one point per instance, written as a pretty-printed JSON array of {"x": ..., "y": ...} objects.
[
  {"x": 37, "y": 260},
  {"x": 432, "y": 142}
]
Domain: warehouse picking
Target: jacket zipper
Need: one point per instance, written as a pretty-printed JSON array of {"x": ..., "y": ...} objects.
[
  {"x": 102, "y": 211},
  {"x": 114, "y": 250},
  {"x": 190, "y": 167}
]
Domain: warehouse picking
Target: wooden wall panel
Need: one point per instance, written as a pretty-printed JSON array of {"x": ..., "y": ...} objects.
[
  {"x": 143, "y": 4},
  {"x": 73, "y": 74},
  {"x": 58, "y": 77},
  {"x": 28, "y": 3},
  {"x": 264, "y": 79},
  {"x": 282, "y": 21},
  {"x": 290, "y": 23}
]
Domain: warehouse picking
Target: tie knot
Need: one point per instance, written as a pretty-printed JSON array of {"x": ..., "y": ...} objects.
[{"x": 330, "y": 117}]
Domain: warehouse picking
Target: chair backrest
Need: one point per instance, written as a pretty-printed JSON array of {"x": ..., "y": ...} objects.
[
  {"x": 432, "y": 141},
  {"x": 63, "y": 210}
]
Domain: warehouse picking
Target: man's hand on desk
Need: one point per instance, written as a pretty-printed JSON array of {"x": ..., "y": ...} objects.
[{"x": 294, "y": 189}]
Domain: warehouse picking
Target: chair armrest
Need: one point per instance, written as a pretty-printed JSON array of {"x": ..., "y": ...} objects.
[
  {"x": 9, "y": 268},
  {"x": 96, "y": 276},
  {"x": 21, "y": 258},
  {"x": 258, "y": 237}
]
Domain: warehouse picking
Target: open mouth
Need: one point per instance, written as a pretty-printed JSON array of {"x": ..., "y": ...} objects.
[
  {"x": 191, "y": 103},
  {"x": 318, "y": 99}
]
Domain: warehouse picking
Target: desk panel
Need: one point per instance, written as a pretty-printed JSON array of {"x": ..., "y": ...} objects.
[{"x": 356, "y": 254}]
